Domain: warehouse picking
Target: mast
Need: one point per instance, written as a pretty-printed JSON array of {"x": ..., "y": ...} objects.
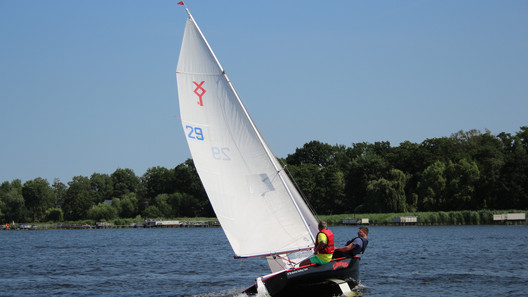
[{"x": 271, "y": 157}]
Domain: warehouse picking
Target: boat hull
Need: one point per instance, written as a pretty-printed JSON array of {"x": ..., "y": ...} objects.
[{"x": 332, "y": 279}]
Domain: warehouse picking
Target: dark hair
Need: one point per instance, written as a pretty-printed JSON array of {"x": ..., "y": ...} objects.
[
  {"x": 323, "y": 225},
  {"x": 364, "y": 229}
]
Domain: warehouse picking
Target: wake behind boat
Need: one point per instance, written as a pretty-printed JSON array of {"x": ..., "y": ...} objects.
[{"x": 259, "y": 208}]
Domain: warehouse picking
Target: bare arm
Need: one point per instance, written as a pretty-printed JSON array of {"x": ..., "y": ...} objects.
[
  {"x": 346, "y": 248},
  {"x": 321, "y": 245}
]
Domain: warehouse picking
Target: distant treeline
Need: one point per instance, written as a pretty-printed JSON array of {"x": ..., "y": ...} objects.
[{"x": 466, "y": 171}]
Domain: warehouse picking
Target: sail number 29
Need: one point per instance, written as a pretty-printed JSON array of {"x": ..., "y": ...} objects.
[
  {"x": 221, "y": 153},
  {"x": 194, "y": 132}
]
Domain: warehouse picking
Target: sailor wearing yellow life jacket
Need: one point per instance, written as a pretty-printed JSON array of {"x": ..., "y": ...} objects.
[{"x": 324, "y": 248}]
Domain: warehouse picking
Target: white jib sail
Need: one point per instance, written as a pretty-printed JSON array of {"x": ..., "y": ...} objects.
[{"x": 259, "y": 209}]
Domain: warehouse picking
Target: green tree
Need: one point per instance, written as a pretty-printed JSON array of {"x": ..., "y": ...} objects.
[
  {"x": 432, "y": 188},
  {"x": 461, "y": 181},
  {"x": 102, "y": 212},
  {"x": 331, "y": 185},
  {"x": 116, "y": 204},
  {"x": 184, "y": 205},
  {"x": 38, "y": 197},
  {"x": 313, "y": 152},
  {"x": 306, "y": 177},
  {"x": 469, "y": 170},
  {"x": 162, "y": 203},
  {"x": 54, "y": 214},
  {"x": 323, "y": 187},
  {"x": 514, "y": 172},
  {"x": 486, "y": 150},
  {"x": 438, "y": 149},
  {"x": 79, "y": 199},
  {"x": 364, "y": 169},
  {"x": 158, "y": 180},
  {"x": 13, "y": 206},
  {"x": 59, "y": 189},
  {"x": 407, "y": 157},
  {"x": 2, "y": 210},
  {"x": 186, "y": 180},
  {"x": 129, "y": 206},
  {"x": 102, "y": 187},
  {"x": 4, "y": 189},
  {"x": 124, "y": 181},
  {"x": 387, "y": 195},
  {"x": 152, "y": 212}
]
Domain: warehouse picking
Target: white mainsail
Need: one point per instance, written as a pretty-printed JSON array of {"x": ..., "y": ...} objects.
[{"x": 256, "y": 203}]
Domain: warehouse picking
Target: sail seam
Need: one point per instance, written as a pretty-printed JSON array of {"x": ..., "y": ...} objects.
[
  {"x": 194, "y": 123},
  {"x": 197, "y": 73}
]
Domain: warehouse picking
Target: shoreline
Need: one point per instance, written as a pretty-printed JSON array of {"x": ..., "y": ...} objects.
[
  {"x": 453, "y": 218},
  {"x": 91, "y": 227}
]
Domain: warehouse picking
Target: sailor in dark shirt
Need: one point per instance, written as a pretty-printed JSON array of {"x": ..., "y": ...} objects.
[{"x": 355, "y": 246}]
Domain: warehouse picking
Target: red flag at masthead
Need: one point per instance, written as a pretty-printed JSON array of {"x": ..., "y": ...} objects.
[{"x": 181, "y": 3}]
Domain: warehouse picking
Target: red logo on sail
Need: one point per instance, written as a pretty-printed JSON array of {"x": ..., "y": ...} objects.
[{"x": 199, "y": 91}]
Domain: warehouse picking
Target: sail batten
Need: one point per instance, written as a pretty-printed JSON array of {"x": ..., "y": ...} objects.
[{"x": 256, "y": 203}]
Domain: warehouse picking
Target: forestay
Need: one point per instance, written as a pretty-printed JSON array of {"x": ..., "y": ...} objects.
[{"x": 257, "y": 205}]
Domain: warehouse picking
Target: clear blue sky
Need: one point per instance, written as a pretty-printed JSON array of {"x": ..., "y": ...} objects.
[{"x": 89, "y": 86}]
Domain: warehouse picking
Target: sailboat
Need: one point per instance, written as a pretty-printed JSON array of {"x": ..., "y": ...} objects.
[{"x": 259, "y": 208}]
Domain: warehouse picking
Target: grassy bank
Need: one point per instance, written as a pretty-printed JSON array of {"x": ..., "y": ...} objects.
[
  {"x": 465, "y": 217},
  {"x": 117, "y": 223}
]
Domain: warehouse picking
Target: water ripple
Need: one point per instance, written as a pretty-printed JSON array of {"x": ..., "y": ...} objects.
[{"x": 400, "y": 261}]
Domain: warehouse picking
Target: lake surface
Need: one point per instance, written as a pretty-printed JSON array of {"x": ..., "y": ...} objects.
[{"x": 399, "y": 261}]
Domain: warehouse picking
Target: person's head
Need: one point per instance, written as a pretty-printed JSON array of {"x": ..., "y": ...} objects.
[
  {"x": 323, "y": 225},
  {"x": 363, "y": 231}
]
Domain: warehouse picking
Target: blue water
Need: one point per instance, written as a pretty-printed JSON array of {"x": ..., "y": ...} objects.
[{"x": 400, "y": 261}]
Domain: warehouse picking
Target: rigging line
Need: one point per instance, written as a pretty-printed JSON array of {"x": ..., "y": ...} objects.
[
  {"x": 286, "y": 259},
  {"x": 283, "y": 264},
  {"x": 310, "y": 207}
]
